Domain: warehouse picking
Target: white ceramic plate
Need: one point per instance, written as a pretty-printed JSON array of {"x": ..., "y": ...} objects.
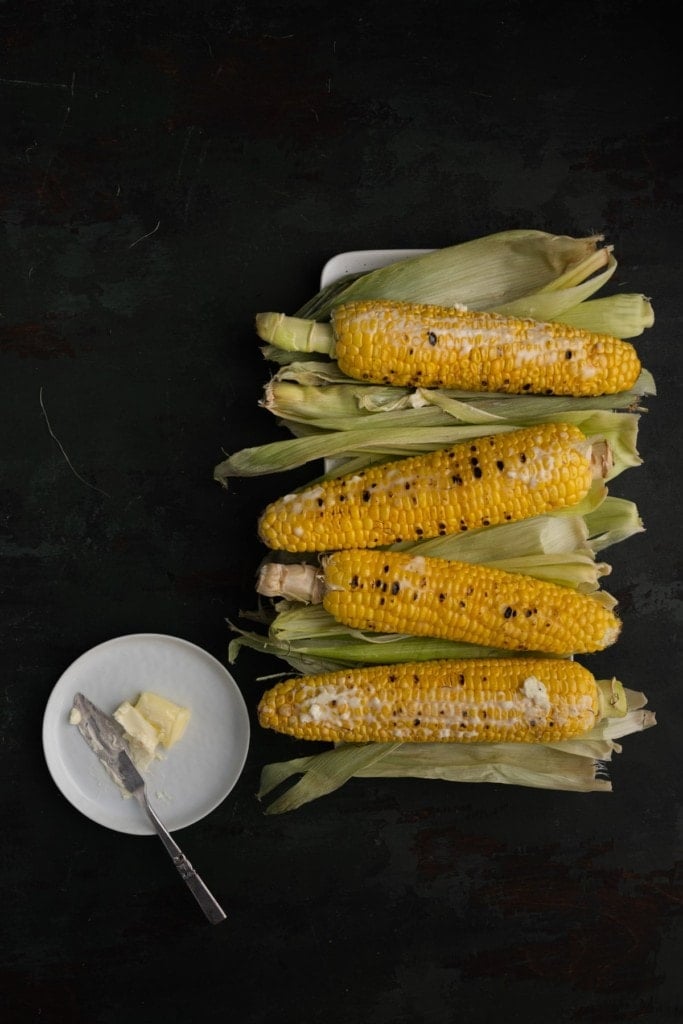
[{"x": 197, "y": 773}]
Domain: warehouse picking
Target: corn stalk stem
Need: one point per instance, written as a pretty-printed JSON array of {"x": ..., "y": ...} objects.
[{"x": 295, "y": 334}]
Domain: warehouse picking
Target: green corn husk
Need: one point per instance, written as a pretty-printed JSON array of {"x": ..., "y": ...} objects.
[
  {"x": 564, "y": 292},
  {"x": 312, "y": 371},
  {"x": 345, "y": 648},
  {"x": 555, "y": 547},
  {"x": 339, "y": 406},
  {"x": 600, "y": 521},
  {"x": 485, "y": 273},
  {"x": 622, "y": 316},
  {"x": 572, "y": 766},
  {"x": 317, "y": 632},
  {"x": 278, "y": 456},
  {"x": 470, "y": 407},
  {"x": 611, "y": 522},
  {"x": 620, "y": 429},
  {"x": 308, "y": 335},
  {"x": 539, "y": 535},
  {"x": 343, "y": 406}
]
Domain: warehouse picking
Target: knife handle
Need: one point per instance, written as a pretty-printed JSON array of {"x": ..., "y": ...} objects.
[{"x": 212, "y": 909}]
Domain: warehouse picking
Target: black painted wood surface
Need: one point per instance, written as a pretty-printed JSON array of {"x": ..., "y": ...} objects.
[{"x": 167, "y": 171}]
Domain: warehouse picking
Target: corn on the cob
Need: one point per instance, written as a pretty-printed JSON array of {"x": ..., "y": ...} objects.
[
  {"x": 494, "y": 479},
  {"x": 493, "y": 700},
  {"x": 421, "y": 345},
  {"x": 433, "y": 346},
  {"x": 398, "y": 592}
]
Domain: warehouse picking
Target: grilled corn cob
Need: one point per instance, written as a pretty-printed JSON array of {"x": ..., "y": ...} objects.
[
  {"x": 492, "y": 700},
  {"x": 490, "y": 480},
  {"x": 397, "y": 592},
  {"x": 421, "y": 345}
]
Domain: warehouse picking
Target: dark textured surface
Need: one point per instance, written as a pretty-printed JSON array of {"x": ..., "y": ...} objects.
[{"x": 166, "y": 172}]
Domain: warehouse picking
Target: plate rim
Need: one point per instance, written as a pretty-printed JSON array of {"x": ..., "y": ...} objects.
[{"x": 54, "y": 761}]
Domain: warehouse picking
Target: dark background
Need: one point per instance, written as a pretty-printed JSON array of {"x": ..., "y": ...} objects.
[{"x": 167, "y": 171}]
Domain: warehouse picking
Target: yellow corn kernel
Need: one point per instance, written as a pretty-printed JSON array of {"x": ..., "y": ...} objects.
[
  {"x": 412, "y": 344},
  {"x": 490, "y": 480},
  {"x": 492, "y": 700},
  {"x": 395, "y": 592}
]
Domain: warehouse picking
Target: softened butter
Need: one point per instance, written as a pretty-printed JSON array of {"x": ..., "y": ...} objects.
[
  {"x": 152, "y": 722},
  {"x": 169, "y": 719}
]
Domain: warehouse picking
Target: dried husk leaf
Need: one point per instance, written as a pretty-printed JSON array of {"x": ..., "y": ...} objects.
[
  {"x": 620, "y": 429},
  {"x": 482, "y": 273}
]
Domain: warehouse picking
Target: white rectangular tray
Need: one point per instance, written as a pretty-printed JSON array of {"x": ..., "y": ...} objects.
[{"x": 361, "y": 261}]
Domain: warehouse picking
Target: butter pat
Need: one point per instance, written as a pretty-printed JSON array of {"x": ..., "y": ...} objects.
[
  {"x": 151, "y": 722},
  {"x": 168, "y": 719},
  {"x": 143, "y": 736}
]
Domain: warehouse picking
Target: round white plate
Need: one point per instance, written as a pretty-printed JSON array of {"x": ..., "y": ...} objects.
[{"x": 196, "y": 774}]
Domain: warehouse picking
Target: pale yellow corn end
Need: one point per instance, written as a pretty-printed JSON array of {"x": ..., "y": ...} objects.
[
  {"x": 492, "y": 700},
  {"x": 412, "y": 344}
]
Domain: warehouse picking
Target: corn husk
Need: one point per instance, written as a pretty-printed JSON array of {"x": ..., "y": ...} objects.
[
  {"x": 611, "y": 522},
  {"x": 334, "y": 418},
  {"x": 343, "y": 648},
  {"x": 576, "y": 285},
  {"x": 486, "y": 273},
  {"x": 559, "y": 548},
  {"x": 519, "y": 272},
  {"x": 572, "y": 766},
  {"x": 622, "y": 316},
  {"x": 400, "y": 439},
  {"x": 345, "y": 404},
  {"x": 310, "y": 336}
]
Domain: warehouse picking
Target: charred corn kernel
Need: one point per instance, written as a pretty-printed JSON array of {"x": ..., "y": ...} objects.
[
  {"x": 490, "y": 480},
  {"x": 493, "y": 700},
  {"x": 407, "y": 343},
  {"x": 394, "y": 592}
]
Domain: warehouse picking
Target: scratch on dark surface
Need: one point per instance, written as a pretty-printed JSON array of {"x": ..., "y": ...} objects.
[
  {"x": 63, "y": 451},
  {"x": 142, "y": 237},
  {"x": 36, "y": 85}
]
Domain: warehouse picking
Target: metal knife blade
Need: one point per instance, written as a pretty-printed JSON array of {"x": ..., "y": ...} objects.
[{"x": 106, "y": 738}]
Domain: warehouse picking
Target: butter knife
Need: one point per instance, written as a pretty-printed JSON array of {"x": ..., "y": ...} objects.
[{"x": 106, "y": 738}]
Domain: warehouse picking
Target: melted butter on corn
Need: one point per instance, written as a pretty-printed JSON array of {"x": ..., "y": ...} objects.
[
  {"x": 405, "y": 343},
  {"x": 472, "y": 700}
]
